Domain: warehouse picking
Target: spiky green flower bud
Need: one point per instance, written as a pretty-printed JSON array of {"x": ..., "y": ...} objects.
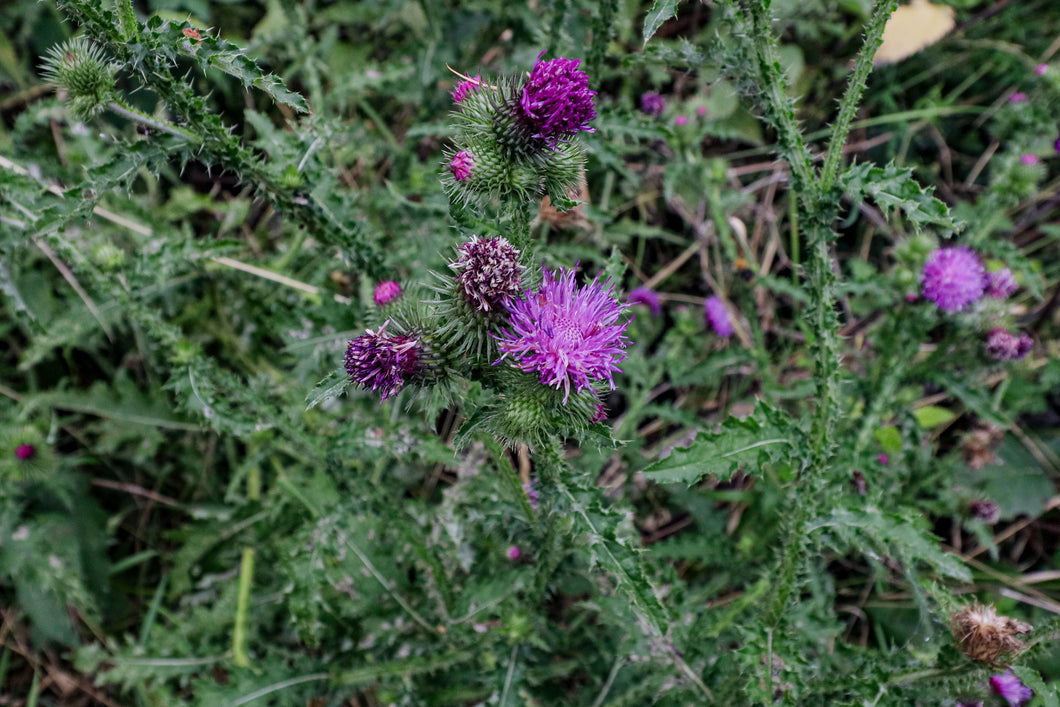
[{"x": 80, "y": 68}]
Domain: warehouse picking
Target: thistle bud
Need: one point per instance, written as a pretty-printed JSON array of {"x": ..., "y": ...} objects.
[
  {"x": 80, "y": 68},
  {"x": 984, "y": 636},
  {"x": 386, "y": 293},
  {"x": 383, "y": 362}
]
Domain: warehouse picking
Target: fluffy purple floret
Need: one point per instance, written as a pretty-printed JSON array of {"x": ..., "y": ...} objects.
[
  {"x": 953, "y": 278},
  {"x": 465, "y": 87},
  {"x": 1001, "y": 283},
  {"x": 569, "y": 335},
  {"x": 556, "y": 101},
  {"x": 382, "y": 363},
  {"x": 643, "y": 295},
  {"x": 1008, "y": 687},
  {"x": 386, "y": 292},
  {"x": 461, "y": 165},
  {"x": 651, "y": 103},
  {"x": 718, "y": 316}
]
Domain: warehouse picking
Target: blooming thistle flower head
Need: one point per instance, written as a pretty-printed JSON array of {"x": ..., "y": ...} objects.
[
  {"x": 718, "y": 316},
  {"x": 465, "y": 87},
  {"x": 1001, "y": 284},
  {"x": 953, "y": 278},
  {"x": 984, "y": 636},
  {"x": 25, "y": 452},
  {"x": 643, "y": 295},
  {"x": 386, "y": 292},
  {"x": 461, "y": 165},
  {"x": 489, "y": 272},
  {"x": 1002, "y": 345},
  {"x": 651, "y": 103},
  {"x": 569, "y": 335},
  {"x": 382, "y": 362},
  {"x": 1008, "y": 687},
  {"x": 556, "y": 101}
]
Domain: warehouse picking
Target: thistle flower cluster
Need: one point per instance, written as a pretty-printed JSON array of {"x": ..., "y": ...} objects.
[{"x": 515, "y": 136}]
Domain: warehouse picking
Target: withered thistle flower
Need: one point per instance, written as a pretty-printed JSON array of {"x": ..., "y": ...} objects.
[
  {"x": 984, "y": 636},
  {"x": 382, "y": 362},
  {"x": 488, "y": 272}
]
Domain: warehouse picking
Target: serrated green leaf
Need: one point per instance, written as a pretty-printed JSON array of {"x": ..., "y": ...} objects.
[
  {"x": 330, "y": 387},
  {"x": 932, "y": 416},
  {"x": 893, "y": 187},
  {"x": 660, "y": 12}
]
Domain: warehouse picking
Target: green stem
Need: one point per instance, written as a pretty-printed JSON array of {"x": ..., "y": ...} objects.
[
  {"x": 246, "y": 580},
  {"x": 130, "y": 28},
  {"x": 134, "y": 115},
  {"x": 848, "y": 105}
]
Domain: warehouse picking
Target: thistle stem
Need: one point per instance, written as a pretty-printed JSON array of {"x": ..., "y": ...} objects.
[{"x": 134, "y": 115}]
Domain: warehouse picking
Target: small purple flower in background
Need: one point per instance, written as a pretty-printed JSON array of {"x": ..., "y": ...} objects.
[
  {"x": 883, "y": 459},
  {"x": 532, "y": 493},
  {"x": 569, "y": 335},
  {"x": 1028, "y": 159},
  {"x": 382, "y": 363},
  {"x": 513, "y": 552},
  {"x": 556, "y": 102},
  {"x": 701, "y": 111},
  {"x": 986, "y": 511},
  {"x": 25, "y": 452},
  {"x": 643, "y": 295},
  {"x": 718, "y": 316},
  {"x": 1056, "y": 145},
  {"x": 910, "y": 297},
  {"x": 1017, "y": 97},
  {"x": 953, "y": 278},
  {"x": 386, "y": 292},
  {"x": 461, "y": 165},
  {"x": 1001, "y": 284},
  {"x": 1003, "y": 345},
  {"x": 1041, "y": 69},
  {"x": 1009, "y": 687},
  {"x": 465, "y": 87},
  {"x": 681, "y": 120},
  {"x": 651, "y": 103},
  {"x": 489, "y": 272}
]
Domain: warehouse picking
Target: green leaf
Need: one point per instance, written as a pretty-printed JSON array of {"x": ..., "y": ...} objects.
[
  {"x": 932, "y": 416},
  {"x": 889, "y": 438},
  {"x": 893, "y": 187},
  {"x": 660, "y": 12},
  {"x": 764, "y": 436},
  {"x": 330, "y": 387}
]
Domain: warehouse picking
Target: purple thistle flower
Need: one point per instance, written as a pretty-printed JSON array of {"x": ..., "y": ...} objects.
[
  {"x": 556, "y": 101},
  {"x": 386, "y": 292},
  {"x": 465, "y": 87},
  {"x": 718, "y": 316},
  {"x": 380, "y": 362},
  {"x": 513, "y": 552},
  {"x": 1041, "y": 69},
  {"x": 489, "y": 272},
  {"x": 1003, "y": 345},
  {"x": 25, "y": 452},
  {"x": 1001, "y": 284},
  {"x": 651, "y": 103},
  {"x": 681, "y": 120},
  {"x": 953, "y": 278},
  {"x": 1017, "y": 97},
  {"x": 1029, "y": 160},
  {"x": 701, "y": 111},
  {"x": 643, "y": 295},
  {"x": 461, "y": 165},
  {"x": 1008, "y": 686},
  {"x": 569, "y": 335},
  {"x": 883, "y": 458}
]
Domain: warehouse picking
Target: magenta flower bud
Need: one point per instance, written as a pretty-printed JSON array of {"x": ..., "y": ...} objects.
[
  {"x": 953, "y": 278},
  {"x": 1041, "y": 69},
  {"x": 489, "y": 272},
  {"x": 1017, "y": 97},
  {"x": 465, "y": 87},
  {"x": 643, "y": 295},
  {"x": 1001, "y": 284},
  {"x": 568, "y": 335},
  {"x": 382, "y": 363},
  {"x": 718, "y": 316},
  {"x": 883, "y": 459},
  {"x": 1008, "y": 687},
  {"x": 681, "y": 120},
  {"x": 25, "y": 452},
  {"x": 556, "y": 101},
  {"x": 1003, "y": 345},
  {"x": 386, "y": 292},
  {"x": 651, "y": 103},
  {"x": 461, "y": 165},
  {"x": 701, "y": 111},
  {"x": 513, "y": 552},
  {"x": 1028, "y": 159}
]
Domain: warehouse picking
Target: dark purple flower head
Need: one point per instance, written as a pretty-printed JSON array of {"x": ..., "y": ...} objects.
[
  {"x": 651, "y": 103},
  {"x": 465, "y": 87},
  {"x": 461, "y": 165},
  {"x": 1001, "y": 283},
  {"x": 643, "y": 295},
  {"x": 953, "y": 278},
  {"x": 25, "y": 452},
  {"x": 986, "y": 511},
  {"x": 718, "y": 316},
  {"x": 489, "y": 272},
  {"x": 556, "y": 101},
  {"x": 1056, "y": 145},
  {"x": 382, "y": 363},
  {"x": 1009, "y": 687},
  {"x": 569, "y": 335},
  {"x": 1003, "y": 345},
  {"x": 386, "y": 292}
]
